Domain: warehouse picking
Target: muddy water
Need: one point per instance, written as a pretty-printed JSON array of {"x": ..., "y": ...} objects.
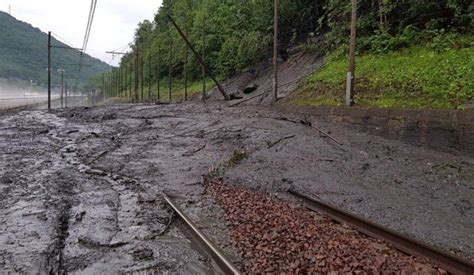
[
  {"x": 69, "y": 206},
  {"x": 81, "y": 188}
]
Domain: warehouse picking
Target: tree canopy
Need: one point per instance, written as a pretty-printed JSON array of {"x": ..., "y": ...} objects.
[{"x": 236, "y": 34}]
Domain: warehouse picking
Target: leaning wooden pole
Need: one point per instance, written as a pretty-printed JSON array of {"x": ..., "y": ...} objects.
[{"x": 199, "y": 59}]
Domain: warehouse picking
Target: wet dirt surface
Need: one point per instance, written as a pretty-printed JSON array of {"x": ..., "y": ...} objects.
[{"x": 80, "y": 188}]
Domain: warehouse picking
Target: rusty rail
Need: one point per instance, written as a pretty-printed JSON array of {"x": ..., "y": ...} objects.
[
  {"x": 226, "y": 265},
  {"x": 448, "y": 261}
]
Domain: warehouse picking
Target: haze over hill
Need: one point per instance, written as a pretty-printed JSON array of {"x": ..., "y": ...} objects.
[{"x": 23, "y": 55}]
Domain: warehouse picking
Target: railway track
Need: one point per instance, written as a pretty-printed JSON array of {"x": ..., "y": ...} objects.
[
  {"x": 452, "y": 263},
  {"x": 203, "y": 241}
]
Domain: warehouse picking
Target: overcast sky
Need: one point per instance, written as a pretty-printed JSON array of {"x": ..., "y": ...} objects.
[{"x": 113, "y": 28}]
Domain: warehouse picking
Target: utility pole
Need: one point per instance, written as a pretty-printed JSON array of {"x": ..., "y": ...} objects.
[
  {"x": 107, "y": 84},
  {"x": 114, "y": 85},
  {"x": 185, "y": 72},
  {"x": 120, "y": 75},
  {"x": 62, "y": 87},
  {"x": 149, "y": 77},
  {"x": 66, "y": 95},
  {"x": 49, "y": 70},
  {"x": 275, "y": 49},
  {"x": 117, "y": 83},
  {"x": 170, "y": 69},
  {"x": 352, "y": 52},
  {"x": 130, "y": 80},
  {"x": 136, "y": 76},
  {"x": 204, "y": 93},
  {"x": 110, "y": 85},
  {"x": 158, "y": 72},
  {"x": 142, "y": 82},
  {"x": 200, "y": 60},
  {"x": 103, "y": 86}
]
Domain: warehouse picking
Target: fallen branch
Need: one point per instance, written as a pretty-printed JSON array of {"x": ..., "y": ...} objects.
[
  {"x": 98, "y": 157},
  {"x": 308, "y": 123},
  {"x": 153, "y": 117},
  {"x": 188, "y": 154},
  {"x": 168, "y": 225},
  {"x": 272, "y": 144},
  {"x": 87, "y": 242}
]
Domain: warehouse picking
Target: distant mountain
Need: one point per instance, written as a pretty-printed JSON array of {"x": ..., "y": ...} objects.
[{"x": 24, "y": 55}]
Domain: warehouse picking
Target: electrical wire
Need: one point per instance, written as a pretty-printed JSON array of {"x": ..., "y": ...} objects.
[
  {"x": 86, "y": 39},
  {"x": 64, "y": 41}
]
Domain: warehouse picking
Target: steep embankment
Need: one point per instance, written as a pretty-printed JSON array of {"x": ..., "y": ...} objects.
[
  {"x": 23, "y": 54},
  {"x": 421, "y": 77}
]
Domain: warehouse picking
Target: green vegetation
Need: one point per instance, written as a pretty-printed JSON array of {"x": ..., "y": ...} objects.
[
  {"x": 23, "y": 55},
  {"x": 420, "y": 76},
  {"x": 236, "y": 35},
  {"x": 238, "y": 155}
]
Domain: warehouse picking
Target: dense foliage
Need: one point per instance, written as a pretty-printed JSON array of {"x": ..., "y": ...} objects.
[
  {"x": 23, "y": 55},
  {"x": 236, "y": 34}
]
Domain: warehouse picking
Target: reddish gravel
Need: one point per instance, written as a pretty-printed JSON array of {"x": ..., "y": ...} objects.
[{"x": 275, "y": 236}]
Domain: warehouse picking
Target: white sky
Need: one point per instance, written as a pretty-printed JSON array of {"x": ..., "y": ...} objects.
[{"x": 113, "y": 28}]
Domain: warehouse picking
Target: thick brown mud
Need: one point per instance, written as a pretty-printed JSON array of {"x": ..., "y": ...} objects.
[{"x": 80, "y": 189}]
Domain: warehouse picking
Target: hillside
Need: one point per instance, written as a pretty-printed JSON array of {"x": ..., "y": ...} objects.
[
  {"x": 236, "y": 39},
  {"x": 425, "y": 77},
  {"x": 23, "y": 55}
]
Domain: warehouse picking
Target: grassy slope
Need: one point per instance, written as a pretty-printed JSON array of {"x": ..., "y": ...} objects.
[{"x": 416, "y": 77}]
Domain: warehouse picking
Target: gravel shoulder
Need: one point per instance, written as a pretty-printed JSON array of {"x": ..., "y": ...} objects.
[{"x": 80, "y": 188}]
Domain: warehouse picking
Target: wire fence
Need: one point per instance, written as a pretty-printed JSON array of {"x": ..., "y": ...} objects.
[{"x": 18, "y": 102}]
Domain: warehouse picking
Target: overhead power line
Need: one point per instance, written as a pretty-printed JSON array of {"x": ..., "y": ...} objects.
[{"x": 90, "y": 20}]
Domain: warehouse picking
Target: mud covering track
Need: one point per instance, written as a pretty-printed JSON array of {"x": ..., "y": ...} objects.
[{"x": 80, "y": 189}]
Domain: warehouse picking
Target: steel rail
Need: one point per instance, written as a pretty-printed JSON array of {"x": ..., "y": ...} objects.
[
  {"x": 226, "y": 266},
  {"x": 452, "y": 263}
]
